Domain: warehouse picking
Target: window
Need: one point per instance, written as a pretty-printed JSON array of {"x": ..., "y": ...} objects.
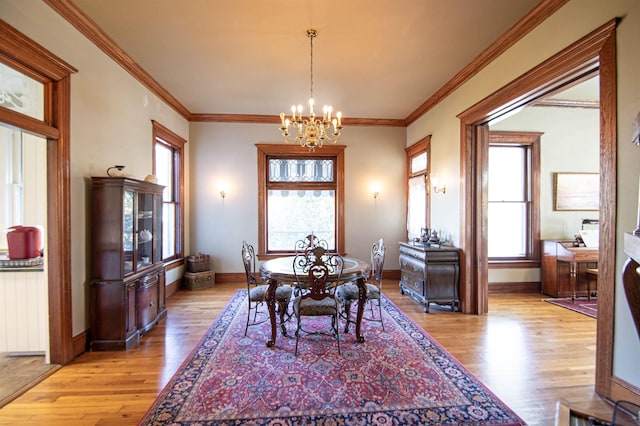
[
  {"x": 513, "y": 204},
  {"x": 23, "y": 160},
  {"x": 417, "y": 193},
  {"x": 300, "y": 192},
  {"x": 168, "y": 168}
]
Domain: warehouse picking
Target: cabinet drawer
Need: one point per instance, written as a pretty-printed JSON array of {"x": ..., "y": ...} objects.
[
  {"x": 147, "y": 302},
  {"x": 412, "y": 274}
]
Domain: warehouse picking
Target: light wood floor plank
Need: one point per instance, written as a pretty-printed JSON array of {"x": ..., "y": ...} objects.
[{"x": 528, "y": 352}]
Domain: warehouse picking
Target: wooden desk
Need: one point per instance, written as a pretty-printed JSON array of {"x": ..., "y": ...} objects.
[
  {"x": 281, "y": 270},
  {"x": 564, "y": 268}
]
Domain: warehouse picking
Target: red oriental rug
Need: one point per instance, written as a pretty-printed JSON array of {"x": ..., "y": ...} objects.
[
  {"x": 399, "y": 376},
  {"x": 581, "y": 305}
]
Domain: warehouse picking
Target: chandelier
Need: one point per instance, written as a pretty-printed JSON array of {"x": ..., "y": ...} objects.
[{"x": 311, "y": 132}]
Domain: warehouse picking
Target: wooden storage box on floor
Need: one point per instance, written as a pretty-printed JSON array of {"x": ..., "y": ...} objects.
[
  {"x": 199, "y": 280},
  {"x": 199, "y": 263}
]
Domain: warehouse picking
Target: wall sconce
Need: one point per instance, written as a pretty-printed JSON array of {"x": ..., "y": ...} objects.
[
  {"x": 223, "y": 193},
  {"x": 437, "y": 189},
  {"x": 375, "y": 190}
]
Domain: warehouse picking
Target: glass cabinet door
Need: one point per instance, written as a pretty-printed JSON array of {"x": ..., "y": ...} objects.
[
  {"x": 157, "y": 252},
  {"x": 145, "y": 230},
  {"x": 128, "y": 230}
]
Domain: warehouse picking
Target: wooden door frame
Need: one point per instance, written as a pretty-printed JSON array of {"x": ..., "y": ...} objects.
[
  {"x": 595, "y": 53},
  {"x": 20, "y": 52}
]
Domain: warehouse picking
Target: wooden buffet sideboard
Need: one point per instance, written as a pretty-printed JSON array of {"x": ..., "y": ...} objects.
[
  {"x": 430, "y": 274},
  {"x": 564, "y": 269}
]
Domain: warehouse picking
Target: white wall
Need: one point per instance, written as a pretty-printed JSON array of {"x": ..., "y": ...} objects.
[
  {"x": 226, "y": 153},
  {"x": 573, "y": 21},
  {"x": 111, "y": 115}
]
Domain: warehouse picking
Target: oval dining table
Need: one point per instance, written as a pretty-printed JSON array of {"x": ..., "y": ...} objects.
[{"x": 280, "y": 270}]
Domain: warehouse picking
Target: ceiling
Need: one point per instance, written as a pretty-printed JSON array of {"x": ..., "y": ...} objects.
[{"x": 372, "y": 58}]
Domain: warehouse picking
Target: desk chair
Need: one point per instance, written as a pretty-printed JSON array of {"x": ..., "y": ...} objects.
[
  {"x": 257, "y": 290},
  {"x": 592, "y": 275}
]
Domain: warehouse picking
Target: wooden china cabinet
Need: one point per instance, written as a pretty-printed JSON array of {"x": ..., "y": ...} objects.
[{"x": 127, "y": 294}]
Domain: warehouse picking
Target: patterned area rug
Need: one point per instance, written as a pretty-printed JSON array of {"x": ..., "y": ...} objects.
[
  {"x": 399, "y": 376},
  {"x": 582, "y": 305}
]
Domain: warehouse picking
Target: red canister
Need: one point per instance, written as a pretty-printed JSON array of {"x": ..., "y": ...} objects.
[{"x": 23, "y": 242}]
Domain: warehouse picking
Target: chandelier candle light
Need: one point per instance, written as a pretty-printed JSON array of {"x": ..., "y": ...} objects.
[{"x": 312, "y": 132}]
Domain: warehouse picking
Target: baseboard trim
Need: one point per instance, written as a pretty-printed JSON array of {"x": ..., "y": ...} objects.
[
  {"x": 172, "y": 288},
  {"x": 231, "y": 277},
  {"x": 80, "y": 343},
  {"x": 514, "y": 287}
]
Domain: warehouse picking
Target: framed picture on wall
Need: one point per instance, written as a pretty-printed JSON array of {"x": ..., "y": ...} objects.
[{"x": 576, "y": 191}]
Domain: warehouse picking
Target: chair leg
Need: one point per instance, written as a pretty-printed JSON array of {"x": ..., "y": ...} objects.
[
  {"x": 246, "y": 328},
  {"x": 336, "y": 329},
  {"x": 282, "y": 306},
  {"x": 380, "y": 309},
  {"x": 346, "y": 311},
  {"x": 297, "y": 334}
]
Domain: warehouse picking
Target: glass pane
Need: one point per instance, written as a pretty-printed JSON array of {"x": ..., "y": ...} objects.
[
  {"x": 419, "y": 163},
  {"x": 507, "y": 229},
  {"x": 12, "y": 181},
  {"x": 507, "y": 173},
  {"x": 300, "y": 170},
  {"x": 168, "y": 230},
  {"x": 164, "y": 170},
  {"x": 23, "y": 166},
  {"x": 21, "y": 93},
  {"x": 417, "y": 206},
  {"x": 295, "y": 214},
  {"x": 145, "y": 229},
  {"x": 127, "y": 231}
]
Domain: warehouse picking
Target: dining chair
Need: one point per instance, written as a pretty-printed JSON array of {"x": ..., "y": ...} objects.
[
  {"x": 303, "y": 247},
  {"x": 322, "y": 270},
  {"x": 349, "y": 292},
  {"x": 257, "y": 290}
]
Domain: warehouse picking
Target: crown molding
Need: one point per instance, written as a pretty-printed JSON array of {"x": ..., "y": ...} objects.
[
  {"x": 526, "y": 24},
  {"x": 275, "y": 119},
  {"x": 93, "y": 32}
]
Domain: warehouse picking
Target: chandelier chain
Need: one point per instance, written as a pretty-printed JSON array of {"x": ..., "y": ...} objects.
[{"x": 311, "y": 36}]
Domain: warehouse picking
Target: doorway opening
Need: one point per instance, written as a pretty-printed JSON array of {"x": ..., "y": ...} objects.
[{"x": 595, "y": 53}]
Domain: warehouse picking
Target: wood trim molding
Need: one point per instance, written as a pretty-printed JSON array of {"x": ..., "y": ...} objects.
[
  {"x": 266, "y": 150},
  {"x": 594, "y": 53},
  {"x": 22, "y": 121},
  {"x": 565, "y": 103},
  {"x": 24, "y": 51},
  {"x": 526, "y": 24},
  {"x": 515, "y": 287},
  {"x": 56, "y": 127},
  {"x": 622, "y": 390},
  {"x": 93, "y": 32},
  {"x": 275, "y": 119}
]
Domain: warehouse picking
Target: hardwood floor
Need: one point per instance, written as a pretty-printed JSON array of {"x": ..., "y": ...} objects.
[{"x": 528, "y": 352}]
